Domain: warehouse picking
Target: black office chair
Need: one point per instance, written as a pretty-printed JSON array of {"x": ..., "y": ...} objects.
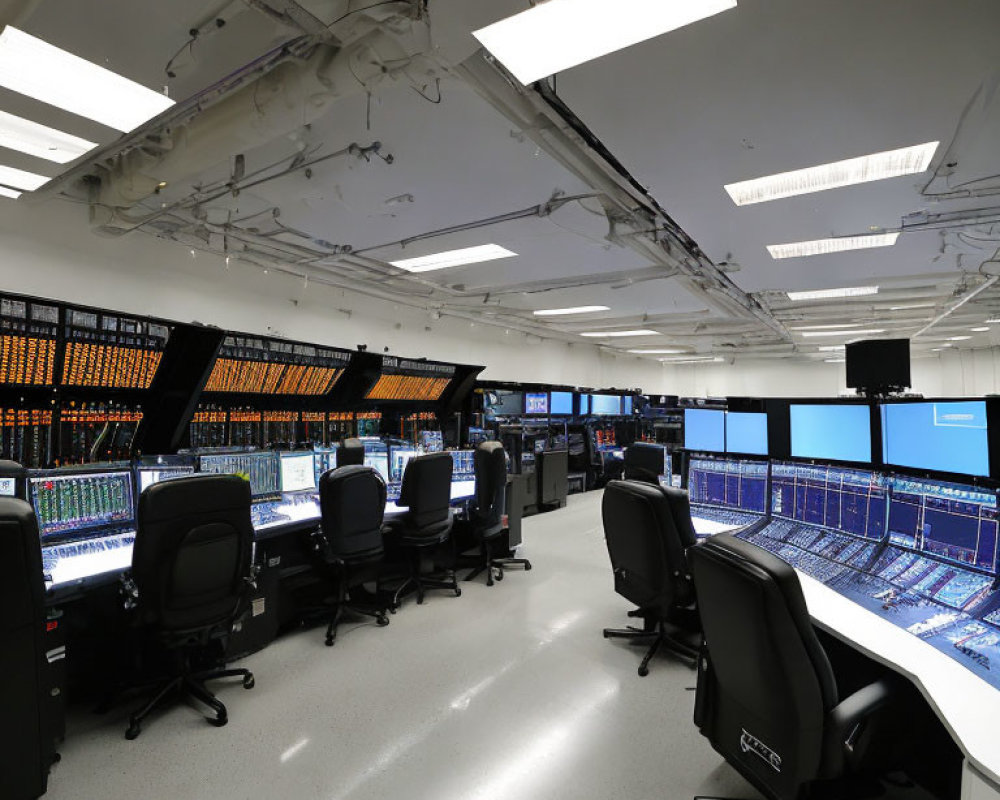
[
  {"x": 643, "y": 462},
  {"x": 487, "y": 512},
  {"x": 352, "y": 503},
  {"x": 427, "y": 522},
  {"x": 647, "y": 535},
  {"x": 767, "y": 696},
  {"x": 26, "y": 741},
  {"x": 351, "y": 452},
  {"x": 191, "y": 569}
]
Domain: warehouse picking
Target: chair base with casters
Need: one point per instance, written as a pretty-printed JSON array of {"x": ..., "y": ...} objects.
[
  {"x": 661, "y": 636},
  {"x": 344, "y": 603},
  {"x": 344, "y": 570},
  {"x": 420, "y": 582},
  {"x": 494, "y": 567}
]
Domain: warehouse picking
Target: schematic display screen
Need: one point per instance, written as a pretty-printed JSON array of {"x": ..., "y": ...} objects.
[
  {"x": 7, "y": 487},
  {"x": 729, "y": 483},
  {"x": 71, "y": 503},
  {"x": 849, "y": 500},
  {"x": 152, "y": 475},
  {"x": 298, "y": 472},
  {"x": 260, "y": 468}
]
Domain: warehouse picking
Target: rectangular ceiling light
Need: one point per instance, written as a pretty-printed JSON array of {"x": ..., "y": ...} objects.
[
  {"x": 454, "y": 258},
  {"x": 832, "y": 294},
  {"x": 5, "y": 192},
  {"x": 814, "y": 334},
  {"x": 40, "y": 141},
  {"x": 697, "y": 360},
  {"x": 912, "y": 307},
  {"x": 20, "y": 179},
  {"x": 559, "y": 34},
  {"x": 558, "y": 312},
  {"x": 616, "y": 334},
  {"x": 831, "y": 348},
  {"x": 655, "y": 352},
  {"x": 875, "y": 167},
  {"x": 44, "y": 72},
  {"x": 840, "y": 244},
  {"x": 824, "y": 327}
]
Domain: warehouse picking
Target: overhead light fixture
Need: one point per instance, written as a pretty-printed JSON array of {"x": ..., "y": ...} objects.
[
  {"x": 912, "y": 307},
  {"x": 695, "y": 360},
  {"x": 835, "y": 360},
  {"x": 656, "y": 352},
  {"x": 871, "y": 332},
  {"x": 993, "y": 321},
  {"x": 825, "y": 327},
  {"x": 559, "y": 34},
  {"x": 832, "y": 294},
  {"x": 936, "y": 349},
  {"x": 958, "y": 338},
  {"x": 617, "y": 334},
  {"x": 874, "y": 167},
  {"x": 5, "y": 192},
  {"x": 831, "y": 348},
  {"x": 840, "y": 244},
  {"x": 19, "y": 179},
  {"x": 982, "y": 329},
  {"x": 40, "y": 141},
  {"x": 558, "y": 312},
  {"x": 44, "y": 72},
  {"x": 454, "y": 258}
]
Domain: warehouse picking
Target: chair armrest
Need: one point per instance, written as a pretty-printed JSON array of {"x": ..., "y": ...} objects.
[{"x": 846, "y": 722}]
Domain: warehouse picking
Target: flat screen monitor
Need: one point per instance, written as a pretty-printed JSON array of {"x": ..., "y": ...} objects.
[
  {"x": 605, "y": 405},
  {"x": 627, "y": 406},
  {"x": 149, "y": 476},
  {"x": 463, "y": 463},
  {"x": 380, "y": 461},
  {"x": 705, "y": 430},
  {"x": 400, "y": 458},
  {"x": 432, "y": 441},
  {"x": 878, "y": 364},
  {"x": 508, "y": 404},
  {"x": 72, "y": 504},
  {"x": 945, "y": 437},
  {"x": 746, "y": 433},
  {"x": 261, "y": 469},
  {"x": 298, "y": 472},
  {"x": 729, "y": 483},
  {"x": 840, "y": 498},
  {"x": 536, "y": 403},
  {"x": 835, "y": 432},
  {"x": 561, "y": 404},
  {"x": 8, "y": 487}
]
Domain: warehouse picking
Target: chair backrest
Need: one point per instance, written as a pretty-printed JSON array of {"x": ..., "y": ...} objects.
[
  {"x": 768, "y": 685},
  {"x": 426, "y": 489},
  {"x": 352, "y": 503},
  {"x": 643, "y": 462},
  {"x": 192, "y": 551},
  {"x": 25, "y": 741},
  {"x": 351, "y": 451},
  {"x": 680, "y": 511},
  {"x": 491, "y": 483},
  {"x": 646, "y": 552}
]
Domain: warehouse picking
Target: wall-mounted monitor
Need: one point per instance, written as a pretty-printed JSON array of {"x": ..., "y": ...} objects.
[
  {"x": 944, "y": 437},
  {"x": 536, "y": 403},
  {"x": 746, "y": 433},
  {"x": 833, "y": 432},
  {"x": 561, "y": 404},
  {"x": 705, "y": 430},
  {"x": 605, "y": 405}
]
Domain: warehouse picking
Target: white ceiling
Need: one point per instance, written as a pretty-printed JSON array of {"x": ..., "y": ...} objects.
[{"x": 771, "y": 86}]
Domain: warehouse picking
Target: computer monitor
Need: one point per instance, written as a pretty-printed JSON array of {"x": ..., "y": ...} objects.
[
  {"x": 561, "y": 404},
  {"x": 8, "y": 487},
  {"x": 261, "y": 469},
  {"x": 147, "y": 476},
  {"x": 627, "y": 405},
  {"x": 75, "y": 504},
  {"x": 705, "y": 430},
  {"x": 951, "y": 521},
  {"x": 508, "y": 404},
  {"x": 324, "y": 459},
  {"x": 831, "y": 432},
  {"x": 463, "y": 462},
  {"x": 605, "y": 405},
  {"x": 400, "y": 457},
  {"x": 379, "y": 459},
  {"x": 298, "y": 472},
  {"x": 746, "y": 433},
  {"x": 536, "y": 403},
  {"x": 944, "y": 437},
  {"x": 728, "y": 483},
  {"x": 850, "y": 500},
  {"x": 432, "y": 441}
]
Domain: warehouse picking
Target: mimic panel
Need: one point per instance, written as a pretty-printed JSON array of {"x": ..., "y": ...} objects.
[
  {"x": 27, "y": 342},
  {"x": 72, "y": 504},
  {"x": 849, "y": 500},
  {"x": 25, "y": 435},
  {"x": 729, "y": 483},
  {"x": 265, "y": 366},
  {"x": 110, "y": 351},
  {"x": 96, "y": 432},
  {"x": 415, "y": 381}
]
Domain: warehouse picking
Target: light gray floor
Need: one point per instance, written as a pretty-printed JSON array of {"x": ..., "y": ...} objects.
[{"x": 509, "y": 692}]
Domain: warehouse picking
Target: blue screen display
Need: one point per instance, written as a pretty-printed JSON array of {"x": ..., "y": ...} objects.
[
  {"x": 831, "y": 432},
  {"x": 705, "y": 429},
  {"x": 626, "y": 406},
  {"x": 536, "y": 403},
  {"x": 729, "y": 483},
  {"x": 606, "y": 405},
  {"x": 562, "y": 403},
  {"x": 947, "y": 437},
  {"x": 746, "y": 433}
]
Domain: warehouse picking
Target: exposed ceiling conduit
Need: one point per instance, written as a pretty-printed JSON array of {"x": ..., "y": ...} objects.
[{"x": 958, "y": 304}]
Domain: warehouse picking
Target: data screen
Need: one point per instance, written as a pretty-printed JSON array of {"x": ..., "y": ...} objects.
[
  {"x": 562, "y": 404},
  {"x": 261, "y": 469},
  {"x": 705, "y": 429},
  {"x": 536, "y": 403},
  {"x": 76, "y": 503},
  {"x": 464, "y": 462},
  {"x": 400, "y": 458},
  {"x": 948, "y": 520},
  {"x": 946, "y": 437},
  {"x": 151, "y": 475},
  {"x": 298, "y": 472},
  {"x": 728, "y": 483},
  {"x": 746, "y": 433},
  {"x": 627, "y": 406},
  {"x": 831, "y": 432},
  {"x": 605, "y": 405},
  {"x": 849, "y": 500},
  {"x": 380, "y": 462},
  {"x": 7, "y": 487},
  {"x": 432, "y": 441},
  {"x": 324, "y": 459}
]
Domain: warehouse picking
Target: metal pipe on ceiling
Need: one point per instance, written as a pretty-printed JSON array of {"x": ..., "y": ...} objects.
[{"x": 958, "y": 304}]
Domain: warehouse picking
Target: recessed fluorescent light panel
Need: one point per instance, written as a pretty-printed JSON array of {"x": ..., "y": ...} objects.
[
  {"x": 832, "y": 348},
  {"x": 825, "y": 327},
  {"x": 979, "y": 330},
  {"x": 958, "y": 338},
  {"x": 617, "y": 334},
  {"x": 875, "y": 167},
  {"x": 558, "y": 312},
  {"x": 835, "y": 360},
  {"x": 40, "y": 141},
  {"x": 5, "y": 192},
  {"x": 912, "y": 307},
  {"x": 655, "y": 352},
  {"x": 559, "y": 34},
  {"x": 454, "y": 258},
  {"x": 698, "y": 360},
  {"x": 39, "y": 70},
  {"x": 832, "y": 294},
  {"x": 840, "y": 244},
  {"x": 19, "y": 179},
  {"x": 871, "y": 332}
]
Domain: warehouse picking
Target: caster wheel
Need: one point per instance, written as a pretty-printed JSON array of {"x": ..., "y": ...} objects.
[
  {"x": 132, "y": 732},
  {"x": 218, "y": 722},
  {"x": 527, "y": 567},
  {"x": 606, "y": 636},
  {"x": 330, "y": 641},
  {"x": 249, "y": 682},
  {"x": 382, "y": 620},
  {"x": 458, "y": 591},
  {"x": 643, "y": 672},
  {"x": 499, "y": 576}
]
